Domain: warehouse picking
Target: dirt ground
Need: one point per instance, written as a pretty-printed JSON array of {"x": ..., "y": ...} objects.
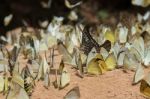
[{"x": 114, "y": 84}]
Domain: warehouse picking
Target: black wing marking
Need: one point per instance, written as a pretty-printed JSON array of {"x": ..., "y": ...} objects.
[
  {"x": 106, "y": 45},
  {"x": 88, "y": 42}
]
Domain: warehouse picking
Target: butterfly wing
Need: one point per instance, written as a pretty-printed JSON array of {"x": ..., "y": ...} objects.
[
  {"x": 106, "y": 45},
  {"x": 73, "y": 93},
  {"x": 111, "y": 62},
  {"x": 65, "y": 78},
  {"x": 88, "y": 42},
  {"x": 145, "y": 85}
]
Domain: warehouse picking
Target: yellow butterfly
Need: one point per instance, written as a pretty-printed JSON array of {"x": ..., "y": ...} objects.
[
  {"x": 109, "y": 35},
  {"x": 96, "y": 65},
  {"x": 145, "y": 85},
  {"x": 111, "y": 62}
]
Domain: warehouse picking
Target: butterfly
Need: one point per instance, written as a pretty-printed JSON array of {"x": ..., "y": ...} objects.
[
  {"x": 88, "y": 42},
  {"x": 28, "y": 80},
  {"x": 63, "y": 79},
  {"x": 73, "y": 93},
  {"x": 67, "y": 58},
  {"x": 17, "y": 92},
  {"x": 141, "y": 51},
  {"x": 96, "y": 64},
  {"x": 2, "y": 83},
  {"x": 139, "y": 74},
  {"x": 145, "y": 85}
]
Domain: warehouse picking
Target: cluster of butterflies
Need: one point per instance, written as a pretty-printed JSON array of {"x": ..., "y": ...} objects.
[{"x": 89, "y": 51}]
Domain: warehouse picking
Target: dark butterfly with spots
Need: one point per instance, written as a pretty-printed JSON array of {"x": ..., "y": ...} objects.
[
  {"x": 28, "y": 80},
  {"x": 88, "y": 42}
]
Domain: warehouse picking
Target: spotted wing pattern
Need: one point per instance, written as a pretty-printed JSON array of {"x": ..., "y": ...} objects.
[{"x": 88, "y": 42}]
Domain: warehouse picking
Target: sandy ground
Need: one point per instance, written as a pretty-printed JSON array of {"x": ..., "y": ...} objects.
[{"x": 114, "y": 84}]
